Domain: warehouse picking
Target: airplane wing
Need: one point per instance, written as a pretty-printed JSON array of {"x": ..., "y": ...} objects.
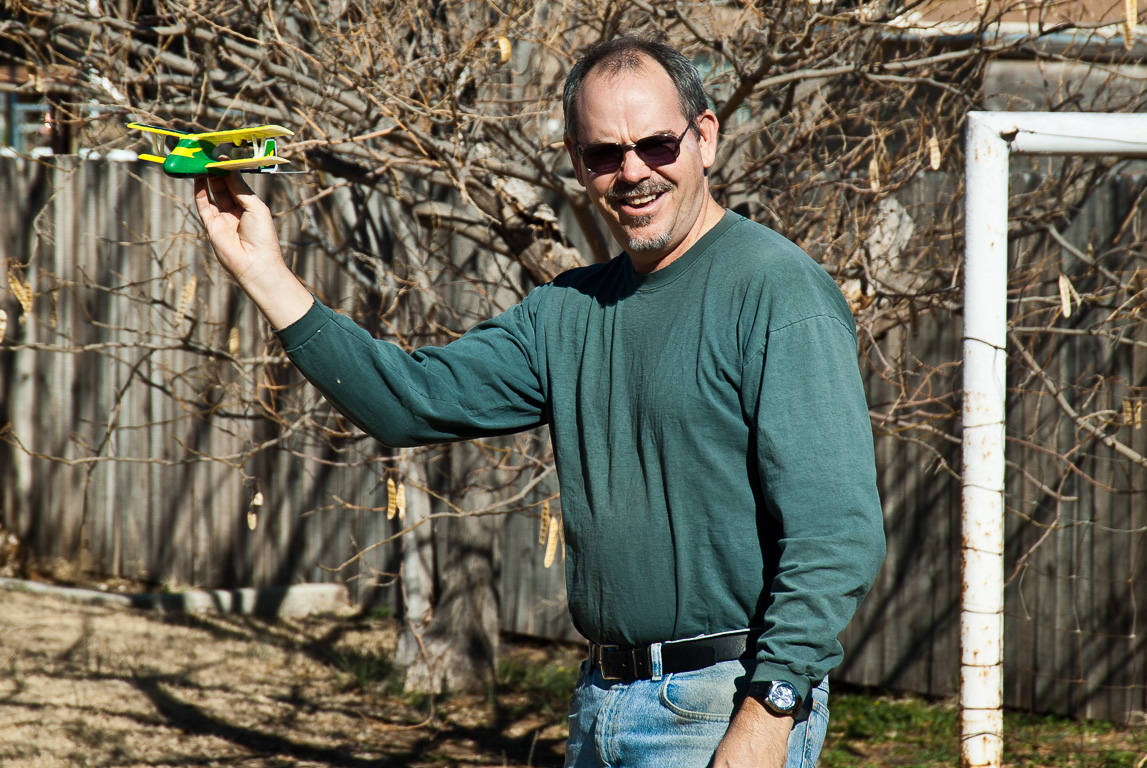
[
  {"x": 162, "y": 131},
  {"x": 248, "y": 162},
  {"x": 238, "y": 135}
]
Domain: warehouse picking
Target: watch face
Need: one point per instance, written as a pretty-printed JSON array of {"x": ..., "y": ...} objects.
[{"x": 782, "y": 697}]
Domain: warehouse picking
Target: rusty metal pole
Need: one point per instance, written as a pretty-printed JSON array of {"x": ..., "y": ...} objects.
[
  {"x": 982, "y": 534},
  {"x": 991, "y": 138}
]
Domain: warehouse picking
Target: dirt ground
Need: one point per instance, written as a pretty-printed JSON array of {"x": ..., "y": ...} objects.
[{"x": 84, "y": 685}]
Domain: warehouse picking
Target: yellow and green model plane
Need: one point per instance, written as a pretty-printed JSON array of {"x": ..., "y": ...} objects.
[{"x": 193, "y": 158}]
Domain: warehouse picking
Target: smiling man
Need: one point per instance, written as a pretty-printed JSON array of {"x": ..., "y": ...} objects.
[
  {"x": 709, "y": 426},
  {"x": 625, "y": 131}
]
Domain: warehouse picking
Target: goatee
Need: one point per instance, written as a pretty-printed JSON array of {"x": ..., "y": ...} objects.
[
  {"x": 639, "y": 243},
  {"x": 647, "y": 243}
]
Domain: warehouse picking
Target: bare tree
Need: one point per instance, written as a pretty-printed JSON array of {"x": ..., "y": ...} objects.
[{"x": 441, "y": 191}]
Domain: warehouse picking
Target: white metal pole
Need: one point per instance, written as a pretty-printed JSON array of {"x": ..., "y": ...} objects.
[
  {"x": 982, "y": 535},
  {"x": 992, "y": 136}
]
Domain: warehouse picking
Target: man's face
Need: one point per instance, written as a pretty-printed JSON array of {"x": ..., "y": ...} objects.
[{"x": 654, "y": 212}]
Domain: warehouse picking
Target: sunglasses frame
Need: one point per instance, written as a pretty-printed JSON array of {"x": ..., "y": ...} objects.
[{"x": 669, "y": 140}]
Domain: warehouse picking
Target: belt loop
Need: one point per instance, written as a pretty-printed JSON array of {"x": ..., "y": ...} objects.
[{"x": 655, "y": 661}]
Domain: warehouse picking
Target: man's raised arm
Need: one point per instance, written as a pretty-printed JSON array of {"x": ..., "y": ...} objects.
[{"x": 484, "y": 383}]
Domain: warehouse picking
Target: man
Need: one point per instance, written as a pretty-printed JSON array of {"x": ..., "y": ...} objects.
[{"x": 709, "y": 427}]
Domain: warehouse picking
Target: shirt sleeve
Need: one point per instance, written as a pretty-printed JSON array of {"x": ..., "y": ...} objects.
[
  {"x": 484, "y": 383},
  {"x": 817, "y": 471}
]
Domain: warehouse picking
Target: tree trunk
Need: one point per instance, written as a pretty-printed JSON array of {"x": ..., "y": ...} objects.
[{"x": 458, "y": 649}]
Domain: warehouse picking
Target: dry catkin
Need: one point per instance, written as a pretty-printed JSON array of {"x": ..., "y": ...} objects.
[
  {"x": 543, "y": 529},
  {"x": 22, "y": 292},
  {"x": 185, "y": 299},
  {"x": 551, "y": 543},
  {"x": 391, "y": 499}
]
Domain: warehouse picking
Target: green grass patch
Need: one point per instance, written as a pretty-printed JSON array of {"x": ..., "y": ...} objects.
[
  {"x": 379, "y": 613},
  {"x": 1033, "y": 740},
  {"x": 546, "y": 680},
  {"x": 867, "y": 730},
  {"x": 364, "y": 671}
]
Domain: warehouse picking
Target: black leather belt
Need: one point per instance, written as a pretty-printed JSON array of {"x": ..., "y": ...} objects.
[{"x": 636, "y": 662}]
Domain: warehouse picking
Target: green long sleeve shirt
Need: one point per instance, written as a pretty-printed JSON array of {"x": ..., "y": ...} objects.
[{"x": 710, "y": 431}]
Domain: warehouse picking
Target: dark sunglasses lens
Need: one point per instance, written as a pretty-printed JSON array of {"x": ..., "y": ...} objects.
[
  {"x": 603, "y": 158},
  {"x": 653, "y": 150},
  {"x": 658, "y": 150}
]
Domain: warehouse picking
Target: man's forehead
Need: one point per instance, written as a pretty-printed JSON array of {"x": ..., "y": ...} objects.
[{"x": 607, "y": 86}]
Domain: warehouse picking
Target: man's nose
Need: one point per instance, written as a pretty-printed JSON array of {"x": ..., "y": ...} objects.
[{"x": 633, "y": 168}]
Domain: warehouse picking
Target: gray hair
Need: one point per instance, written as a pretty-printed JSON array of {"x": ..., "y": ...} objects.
[{"x": 626, "y": 54}]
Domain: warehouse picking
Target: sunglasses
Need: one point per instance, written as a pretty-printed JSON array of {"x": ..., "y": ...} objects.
[{"x": 653, "y": 151}]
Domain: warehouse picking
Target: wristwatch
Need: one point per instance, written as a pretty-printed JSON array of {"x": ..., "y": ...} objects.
[{"x": 781, "y": 698}]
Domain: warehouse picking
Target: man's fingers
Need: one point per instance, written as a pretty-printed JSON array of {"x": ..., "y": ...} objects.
[
  {"x": 203, "y": 201},
  {"x": 241, "y": 192},
  {"x": 238, "y": 184},
  {"x": 221, "y": 193}
]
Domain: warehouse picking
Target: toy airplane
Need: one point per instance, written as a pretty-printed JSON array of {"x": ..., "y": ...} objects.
[{"x": 192, "y": 157}]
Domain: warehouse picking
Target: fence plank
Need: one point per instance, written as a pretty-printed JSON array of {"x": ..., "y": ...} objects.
[{"x": 119, "y": 243}]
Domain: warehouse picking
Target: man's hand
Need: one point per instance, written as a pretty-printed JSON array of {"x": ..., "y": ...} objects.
[
  {"x": 243, "y": 235},
  {"x": 756, "y": 739}
]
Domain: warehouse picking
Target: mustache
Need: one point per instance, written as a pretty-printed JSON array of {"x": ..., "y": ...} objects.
[{"x": 622, "y": 190}]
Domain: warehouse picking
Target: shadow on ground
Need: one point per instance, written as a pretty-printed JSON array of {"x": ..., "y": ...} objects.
[{"x": 100, "y": 686}]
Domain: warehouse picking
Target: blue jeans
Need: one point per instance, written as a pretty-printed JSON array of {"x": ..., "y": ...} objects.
[{"x": 674, "y": 720}]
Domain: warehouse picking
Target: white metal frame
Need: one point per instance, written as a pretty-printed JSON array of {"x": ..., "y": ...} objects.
[{"x": 991, "y": 138}]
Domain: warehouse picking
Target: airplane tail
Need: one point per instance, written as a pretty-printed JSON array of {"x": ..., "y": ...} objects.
[{"x": 267, "y": 149}]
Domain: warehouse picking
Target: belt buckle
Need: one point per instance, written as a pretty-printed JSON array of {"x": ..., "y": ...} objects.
[
  {"x": 595, "y": 659},
  {"x": 630, "y": 663}
]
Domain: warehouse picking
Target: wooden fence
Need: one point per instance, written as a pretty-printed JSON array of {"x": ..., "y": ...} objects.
[
  {"x": 130, "y": 370},
  {"x": 131, "y": 378}
]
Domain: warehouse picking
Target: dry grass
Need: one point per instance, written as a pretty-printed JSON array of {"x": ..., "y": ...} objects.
[
  {"x": 93, "y": 686},
  {"x": 96, "y": 686}
]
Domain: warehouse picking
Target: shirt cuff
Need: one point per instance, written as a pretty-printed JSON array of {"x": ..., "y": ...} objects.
[
  {"x": 766, "y": 672},
  {"x": 299, "y": 332}
]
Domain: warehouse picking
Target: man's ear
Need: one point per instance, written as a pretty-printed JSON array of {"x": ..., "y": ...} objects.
[
  {"x": 709, "y": 127},
  {"x": 571, "y": 150}
]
